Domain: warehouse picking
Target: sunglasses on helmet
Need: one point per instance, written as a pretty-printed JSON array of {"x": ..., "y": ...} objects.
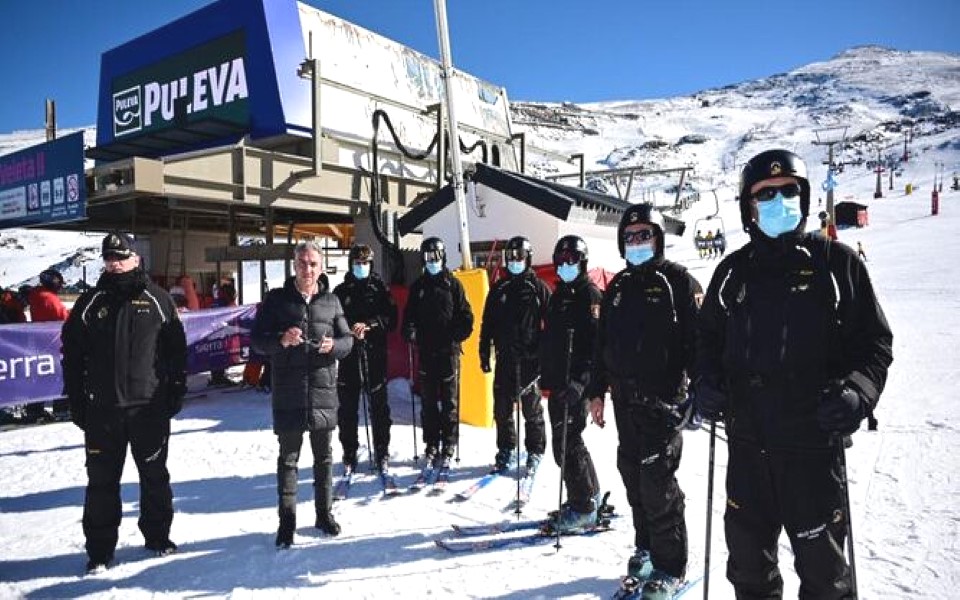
[
  {"x": 515, "y": 254},
  {"x": 790, "y": 190},
  {"x": 633, "y": 237},
  {"x": 432, "y": 256}
]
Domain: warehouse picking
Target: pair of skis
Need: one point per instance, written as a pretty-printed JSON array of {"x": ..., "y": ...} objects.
[
  {"x": 476, "y": 538},
  {"x": 434, "y": 475}
]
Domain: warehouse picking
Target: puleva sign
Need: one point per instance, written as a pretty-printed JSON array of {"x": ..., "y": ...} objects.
[{"x": 203, "y": 83}]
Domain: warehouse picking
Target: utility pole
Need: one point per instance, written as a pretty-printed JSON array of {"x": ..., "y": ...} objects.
[
  {"x": 878, "y": 193},
  {"x": 443, "y": 36},
  {"x": 829, "y": 137}
]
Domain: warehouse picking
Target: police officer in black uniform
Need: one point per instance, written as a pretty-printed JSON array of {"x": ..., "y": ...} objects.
[
  {"x": 645, "y": 348},
  {"x": 566, "y": 360},
  {"x": 438, "y": 318},
  {"x": 124, "y": 372},
  {"x": 512, "y": 319},
  {"x": 371, "y": 314},
  {"x": 793, "y": 353}
]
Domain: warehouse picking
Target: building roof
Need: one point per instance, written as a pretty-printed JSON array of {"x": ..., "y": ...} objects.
[{"x": 548, "y": 196}]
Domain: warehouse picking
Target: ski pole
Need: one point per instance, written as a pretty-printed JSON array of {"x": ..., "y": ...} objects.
[
  {"x": 518, "y": 374},
  {"x": 842, "y": 443},
  {"x": 364, "y": 394},
  {"x": 563, "y": 439},
  {"x": 413, "y": 404},
  {"x": 706, "y": 551}
]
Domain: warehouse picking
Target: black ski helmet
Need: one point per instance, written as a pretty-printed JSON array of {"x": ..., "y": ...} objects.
[
  {"x": 361, "y": 253},
  {"x": 519, "y": 248},
  {"x": 51, "y": 279},
  {"x": 642, "y": 213},
  {"x": 571, "y": 245},
  {"x": 769, "y": 165},
  {"x": 433, "y": 248}
]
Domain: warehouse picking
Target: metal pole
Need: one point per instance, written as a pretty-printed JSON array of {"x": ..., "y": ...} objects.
[
  {"x": 440, "y": 8},
  {"x": 842, "y": 442},
  {"x": 413, "y": 404},
  {"x": 706, "y": 551}
]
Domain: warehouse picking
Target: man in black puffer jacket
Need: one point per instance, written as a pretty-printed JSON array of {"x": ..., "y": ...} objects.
[
  {"x": 124, "y": 372},
  {"x": 302, "y": 328}
]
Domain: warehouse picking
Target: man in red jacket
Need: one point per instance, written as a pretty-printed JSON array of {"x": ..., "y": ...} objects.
[{"x": 45, "y": 305}]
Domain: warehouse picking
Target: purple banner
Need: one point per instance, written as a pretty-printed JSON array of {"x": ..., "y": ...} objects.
[{"x": 30, "y": 352}]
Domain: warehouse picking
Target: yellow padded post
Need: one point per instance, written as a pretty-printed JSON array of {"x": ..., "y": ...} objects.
[{"x": 476, "y": 387}]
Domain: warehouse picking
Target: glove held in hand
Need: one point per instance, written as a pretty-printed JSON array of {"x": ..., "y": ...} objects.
[{"x": 841, "y": 409}]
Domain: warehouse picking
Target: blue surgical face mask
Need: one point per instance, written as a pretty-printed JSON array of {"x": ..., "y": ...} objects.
[
  {"x": 779, "y": 215},
  {"x": 568, "y": 272},
  {"x": 516, "y": 266},
  {"x": 637, "y": 254},
  {"x": 434, "y": 267},
  {"x": 360, "y": 270}
]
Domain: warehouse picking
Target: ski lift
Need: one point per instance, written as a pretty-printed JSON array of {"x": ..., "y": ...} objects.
[{"x": 712, "y": 224}]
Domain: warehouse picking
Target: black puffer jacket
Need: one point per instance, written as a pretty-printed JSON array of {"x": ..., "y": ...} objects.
[
  {"x": 437, "y": 315},
  {"x": 573, "y": 306},
  {"x": 779, "y": 322},
  {"x": 304, "y": 381},
  {"x": 513, "y": 317},
  {"x": 124, "y": 346},
  {"x": 647, "y": 330}
]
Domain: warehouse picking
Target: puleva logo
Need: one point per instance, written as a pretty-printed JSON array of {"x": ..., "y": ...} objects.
[{"x": 127, "y": 114}]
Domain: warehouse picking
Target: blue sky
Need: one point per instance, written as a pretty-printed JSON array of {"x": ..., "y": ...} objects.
[{"x": 545, "y": 50}]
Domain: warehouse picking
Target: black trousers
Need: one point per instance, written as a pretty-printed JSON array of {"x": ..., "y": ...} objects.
[
  {"x": 439, "y": 389},
  {"x": 505, "y": 388},
  {"x": 108, "y": 433},
  {"x": 797, "y": 491},
  {"x": 579, "y": 474},
  {"x": 349, "y": 390},
  {"x": 290, "y": 444},
  {"x": 648, "y": 457}
]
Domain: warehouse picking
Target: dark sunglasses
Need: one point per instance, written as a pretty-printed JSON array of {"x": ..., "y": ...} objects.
[
  {"x": 567, "y": 257},
  {"x": 644, "y": 235},
  {"x": 515, "y": 254},
  {"x": 790, "y": 190}
]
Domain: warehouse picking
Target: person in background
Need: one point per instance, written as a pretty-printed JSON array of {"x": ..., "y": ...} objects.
[
  {"x": 438, "y": 318},
  {"x": 371, "y": 314},
  {"x": 45, "y": 305},
  {"x": 124, "y": 372},
  {"x": 566, "y": 361},
  {"x": 512, "y": 319},
  {"x": 860, "y": 251},
  {"x": 302, "y": 328},
  {"x": 793, "y": 353},
  {"x": 645, "y": 350},
  {"x": 179, "y": 296}
]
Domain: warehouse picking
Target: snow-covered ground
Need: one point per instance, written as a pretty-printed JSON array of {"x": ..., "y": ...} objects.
[{"x": 904, "y": 491}]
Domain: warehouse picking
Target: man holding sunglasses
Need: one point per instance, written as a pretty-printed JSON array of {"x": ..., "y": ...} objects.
[
  {"x": 512, "y": 319},
  {"x": 793, "y": 352},
  {"x": 302, "y": 328},
  {"x": 644, "y": 350}
]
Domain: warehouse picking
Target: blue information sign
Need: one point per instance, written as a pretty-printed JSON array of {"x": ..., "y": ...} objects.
[{"x": 43, "y": 184}]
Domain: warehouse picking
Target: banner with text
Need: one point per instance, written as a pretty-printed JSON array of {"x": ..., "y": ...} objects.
[{"x": 30, "y": 352}]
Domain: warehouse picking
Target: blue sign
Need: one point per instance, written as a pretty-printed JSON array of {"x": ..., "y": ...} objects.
[
  {"x": 43, "y": 184},
  {"x": 211, "y": 77}
]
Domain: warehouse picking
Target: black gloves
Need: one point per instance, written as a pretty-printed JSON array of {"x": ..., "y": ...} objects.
[
  {"x": 710, "y": 401},
  {"x": 841, "y": 409},
  {"x": 572, "y": 395},
  {"x": 485, "y": 362},
  {"x": 686, "y": 415},
  {"x": 175, "y": 393}
]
